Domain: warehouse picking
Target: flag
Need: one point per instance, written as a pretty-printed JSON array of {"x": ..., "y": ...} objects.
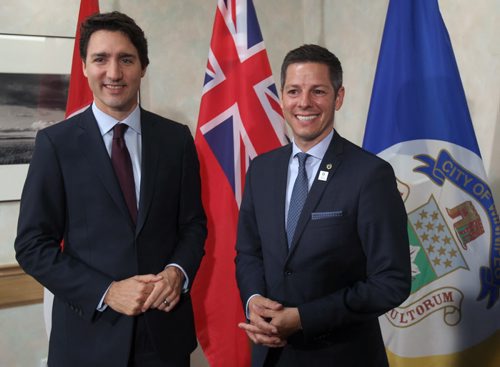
[
  {"x": 419, "y": 122},
  {"x": 79, "y": 97},
  {"x": 79, "y": 93},
  {"x": 240, "y": 117}
]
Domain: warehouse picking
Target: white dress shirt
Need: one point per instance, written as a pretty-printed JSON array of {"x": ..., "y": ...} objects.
[
  {"x": 133, "y": 139},
  {"x": 316, "y": 154}
]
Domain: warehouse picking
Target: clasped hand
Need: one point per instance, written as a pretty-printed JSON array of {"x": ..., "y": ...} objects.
[
  {"x": 270, "y": 323},
  {"x": 139, "y": 293}
]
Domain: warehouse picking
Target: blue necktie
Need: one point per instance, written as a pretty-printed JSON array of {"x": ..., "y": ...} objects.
[{"x": 298, "y": 198}]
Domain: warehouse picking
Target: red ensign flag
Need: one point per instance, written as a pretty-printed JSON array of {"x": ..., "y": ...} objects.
[{"x": 240, "y": 117}]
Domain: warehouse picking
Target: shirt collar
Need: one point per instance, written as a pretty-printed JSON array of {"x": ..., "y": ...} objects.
[
  {"x": 319, "y": 150},
  {"x": 107, "y": 122}
]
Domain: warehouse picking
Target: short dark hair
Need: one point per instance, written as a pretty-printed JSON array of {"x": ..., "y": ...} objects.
[
  {"x": 317, "y": 54},
  {"x": 116, "y": 22}
]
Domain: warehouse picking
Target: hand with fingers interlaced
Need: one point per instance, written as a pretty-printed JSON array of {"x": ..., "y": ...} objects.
[
  {"x": 128, "y": 296},
  {"x": 167, "y": 291}
]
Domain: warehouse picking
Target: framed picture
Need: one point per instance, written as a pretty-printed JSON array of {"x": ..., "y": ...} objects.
[{"x": 34, "y": 80}]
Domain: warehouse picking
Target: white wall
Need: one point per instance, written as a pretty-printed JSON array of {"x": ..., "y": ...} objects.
[{"x": 179, "y": 35}]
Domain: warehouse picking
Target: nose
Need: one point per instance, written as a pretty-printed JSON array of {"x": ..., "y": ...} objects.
[
  {"x": 304, "y": 100},
  {"x": 114, "y": 71}
]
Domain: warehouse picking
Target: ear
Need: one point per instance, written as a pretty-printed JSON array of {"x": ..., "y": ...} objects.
[
  {"x": 84, "y": 68},
  {"x": 339, "y": 100},
  {"x": 143, "y": 72}
]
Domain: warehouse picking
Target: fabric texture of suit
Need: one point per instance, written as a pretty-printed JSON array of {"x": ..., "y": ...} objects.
[
  {"x": 71, "y": 194},
  {"x": 348, "y": 262}
]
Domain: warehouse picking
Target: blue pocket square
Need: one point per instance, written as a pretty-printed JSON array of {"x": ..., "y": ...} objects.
[{"x": 325, "y": 215}]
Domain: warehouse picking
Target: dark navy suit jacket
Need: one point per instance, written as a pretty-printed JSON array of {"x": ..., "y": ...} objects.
[
  {"x": 71, "y": 194},
  {"x": 349, "y": 261}
]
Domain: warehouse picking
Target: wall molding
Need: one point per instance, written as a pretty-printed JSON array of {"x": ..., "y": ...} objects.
[{"x": 18, "y": 288}]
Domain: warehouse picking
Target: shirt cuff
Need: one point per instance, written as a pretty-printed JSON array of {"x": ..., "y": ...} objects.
[
  {"x": 247, "y": 311},
  {"x": 101, "y": 307},
  {"x": 185, "y": 286}
]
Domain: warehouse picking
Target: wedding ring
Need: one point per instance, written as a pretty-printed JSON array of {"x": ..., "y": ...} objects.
[{"x": 166, "y": 303}]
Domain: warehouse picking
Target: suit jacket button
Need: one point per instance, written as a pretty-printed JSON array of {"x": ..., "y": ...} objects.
[{"x": 288, "y": 272}]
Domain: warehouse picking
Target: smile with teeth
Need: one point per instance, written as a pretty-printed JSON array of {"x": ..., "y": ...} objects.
[
  {"x": 306, "y": 118},
  {"x": 114, "y": 86}
]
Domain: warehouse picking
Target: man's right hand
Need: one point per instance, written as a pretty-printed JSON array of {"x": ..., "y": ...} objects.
[{"x": 128, "y": 296}]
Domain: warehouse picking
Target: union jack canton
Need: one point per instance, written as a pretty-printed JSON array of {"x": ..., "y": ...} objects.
[{"x": 240, "y": 114}]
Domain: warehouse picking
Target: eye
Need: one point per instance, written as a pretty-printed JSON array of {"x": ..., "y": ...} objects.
[
  {"x": 98, "y": 60},
  {"x": 319, "y": 92},
  {"x": 292, "y": 92},
  {"x": 127, "y": 60}
]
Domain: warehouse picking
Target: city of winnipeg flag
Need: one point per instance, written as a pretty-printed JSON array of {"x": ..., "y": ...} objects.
[
  {"x": 240, "y": 117},
  {"x": 420, "y": 123}
]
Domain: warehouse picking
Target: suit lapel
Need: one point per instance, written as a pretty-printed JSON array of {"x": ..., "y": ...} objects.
[
  {"x": 149, "y": 163},
  {"x": 92, "y": 146},
  {"x": 279, "y": 194},
  {"x": 330, "y": 163}
]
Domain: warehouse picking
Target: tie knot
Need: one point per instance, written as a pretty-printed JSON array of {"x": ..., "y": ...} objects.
[
  {"x": 302, "y": 158},
  {"x": 119, "y": 130}
]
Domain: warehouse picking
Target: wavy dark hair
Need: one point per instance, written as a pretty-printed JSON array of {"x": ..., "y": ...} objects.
[{"x": 116, "y": 22}]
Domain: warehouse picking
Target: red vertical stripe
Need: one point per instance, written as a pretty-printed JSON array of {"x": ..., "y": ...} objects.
[{"x": 79, "y": 94}]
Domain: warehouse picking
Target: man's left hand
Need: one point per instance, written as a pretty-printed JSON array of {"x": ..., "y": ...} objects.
[
  {"x": 167, "y": 291},
  {"x": 287, "y": 320}
]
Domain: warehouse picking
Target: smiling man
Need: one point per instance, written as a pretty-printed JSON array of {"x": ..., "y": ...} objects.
[
  {"x": 120, "y": 185},
  {"x": 322, "y": 247}
]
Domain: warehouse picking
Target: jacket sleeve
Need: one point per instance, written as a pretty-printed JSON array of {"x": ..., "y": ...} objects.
[
  {"x": 249, "y": 260},
  {"x": 41, "y": 228},
  {"x": 192, "y": 221}
]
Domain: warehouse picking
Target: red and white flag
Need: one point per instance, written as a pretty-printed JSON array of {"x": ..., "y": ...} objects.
[
  {"x": 240, "y": 117},
  {"x": 79, "y": 94}
]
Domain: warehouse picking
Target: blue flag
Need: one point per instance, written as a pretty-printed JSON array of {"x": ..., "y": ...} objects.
[{"x": 419, "y": 122}]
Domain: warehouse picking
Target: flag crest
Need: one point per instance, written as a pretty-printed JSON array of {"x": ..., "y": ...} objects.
[{"x": 419, "y": 122}]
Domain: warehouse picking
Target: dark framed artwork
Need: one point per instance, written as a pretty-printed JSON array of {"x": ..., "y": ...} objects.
[{"x": 34, "y": 81}]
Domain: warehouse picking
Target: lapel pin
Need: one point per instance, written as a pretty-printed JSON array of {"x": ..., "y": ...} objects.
[
  {"x": 329, "y": 166},
  {"x": 323, "y": 176}
]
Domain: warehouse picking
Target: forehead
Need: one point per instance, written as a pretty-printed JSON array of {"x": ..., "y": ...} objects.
[
  {"x": 307, "y": 72},
  {"x": 104, "y": 41}
]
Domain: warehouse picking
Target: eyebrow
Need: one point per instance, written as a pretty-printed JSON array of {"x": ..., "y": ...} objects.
[
  {"x": 106, "y": 54},
  {"x": 299, "y": 86}
]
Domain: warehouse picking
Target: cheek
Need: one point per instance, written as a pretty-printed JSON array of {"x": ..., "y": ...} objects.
[{"x": 287, "y": 111}]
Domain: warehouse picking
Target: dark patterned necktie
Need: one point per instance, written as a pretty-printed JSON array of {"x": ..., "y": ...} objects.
[
  {"x": 122, "y": 165},
  {"x": 298, "y": 198}
]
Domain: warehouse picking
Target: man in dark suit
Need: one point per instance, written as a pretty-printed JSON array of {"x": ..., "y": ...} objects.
[
  {"x": 322, "y": 247},
  {"x": 121, "y": 187}
]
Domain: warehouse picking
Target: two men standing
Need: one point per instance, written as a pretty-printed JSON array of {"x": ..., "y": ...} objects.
[{"x": 322, "y": 247}]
